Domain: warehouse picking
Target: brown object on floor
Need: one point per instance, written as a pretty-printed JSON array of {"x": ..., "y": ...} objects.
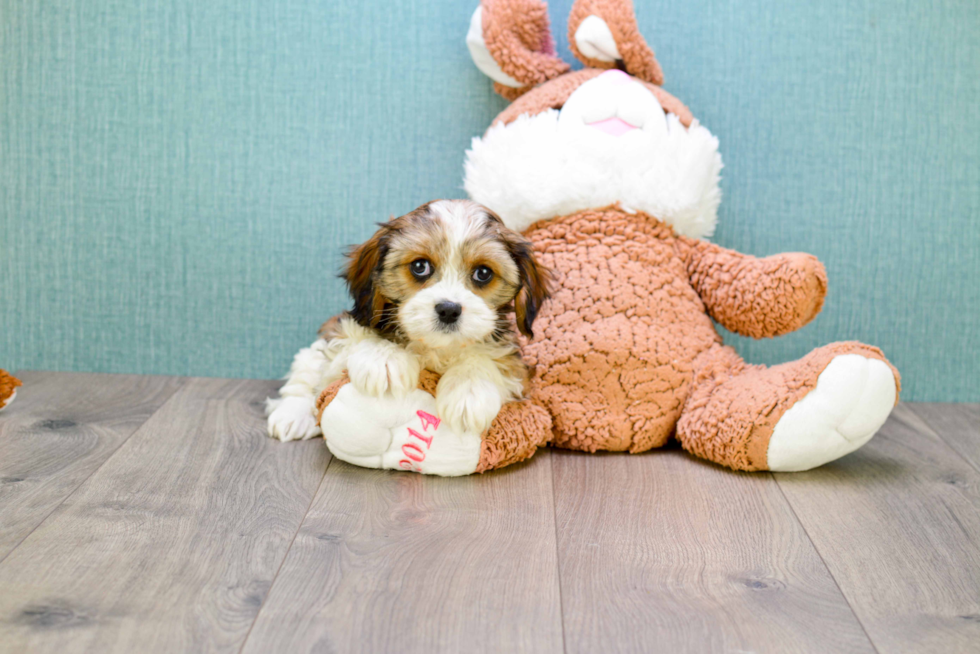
[{"x": 8, "y": 387}]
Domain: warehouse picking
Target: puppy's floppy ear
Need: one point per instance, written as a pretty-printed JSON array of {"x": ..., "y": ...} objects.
[
  {"x": 363, "y": 262},
  {"x": 535, "y": 283}
]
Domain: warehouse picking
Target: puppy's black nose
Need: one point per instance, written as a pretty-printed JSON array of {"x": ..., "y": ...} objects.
[{"x": 448, "y": 312}]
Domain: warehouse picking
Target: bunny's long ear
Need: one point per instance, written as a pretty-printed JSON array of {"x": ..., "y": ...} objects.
[
  {"x": 511, "y": 43},
  {"x": 604, "y": 34}
]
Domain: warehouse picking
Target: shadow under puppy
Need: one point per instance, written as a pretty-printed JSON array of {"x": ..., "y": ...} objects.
[{"x": 433, "y": 289}]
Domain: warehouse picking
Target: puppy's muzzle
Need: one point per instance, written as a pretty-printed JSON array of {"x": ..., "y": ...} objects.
[{"x": 448, "y": 312}]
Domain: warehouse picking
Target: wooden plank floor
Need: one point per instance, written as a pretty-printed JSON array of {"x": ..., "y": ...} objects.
[{"x": 145, "y": 514}]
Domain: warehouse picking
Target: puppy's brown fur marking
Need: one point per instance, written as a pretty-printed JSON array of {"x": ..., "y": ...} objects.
[
  {"x": 363, "y": 263},
  {"x": 535, "y": 283}
]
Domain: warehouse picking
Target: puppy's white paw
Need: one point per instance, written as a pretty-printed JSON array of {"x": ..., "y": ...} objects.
[
  {"x": 467, "y": 405},
  {"x": 376, "y": 367},
  {"x": 292, "y": 418}
]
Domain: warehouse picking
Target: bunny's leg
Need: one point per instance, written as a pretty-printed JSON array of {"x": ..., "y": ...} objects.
[
  {"x": 406, "y": 433},
  {"x": 793, "y": 416}
]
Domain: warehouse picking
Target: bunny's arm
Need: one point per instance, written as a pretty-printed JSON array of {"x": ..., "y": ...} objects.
[{"x": 755, "y": 297}]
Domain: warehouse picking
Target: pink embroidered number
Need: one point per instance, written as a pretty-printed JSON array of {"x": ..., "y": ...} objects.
[
  {"x": 428, "y": 419},
  {"x": 422, "y": 437},
  {"x": 414, "y": 454},
  {"x": 419, "y": 455}
]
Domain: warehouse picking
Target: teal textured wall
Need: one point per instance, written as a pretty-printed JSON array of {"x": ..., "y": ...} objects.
[{"x": 177, "y": 177}]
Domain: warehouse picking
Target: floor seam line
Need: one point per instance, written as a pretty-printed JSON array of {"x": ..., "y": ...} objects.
[
  {"x": 830, "y": 572},
  {"x": 285, "y": 555},
  {"x": 554, "y": 513},
  {"x": 939, "y": 435},
  {"x": 95, "y": 470}
]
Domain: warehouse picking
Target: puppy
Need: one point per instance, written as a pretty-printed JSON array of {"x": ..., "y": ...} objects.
[{"x": 432, "y": 289}]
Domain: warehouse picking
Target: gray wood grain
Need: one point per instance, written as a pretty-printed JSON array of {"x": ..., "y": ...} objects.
[
  {"x": 167, "y": 533},
  {"x": 898, "y": 523},
  {"x": 661, "y": 552},
  {"x": 173, "y": 543},
  {"x": 397, "y": 562},
  {"x": 957, "y": 424},
  {"x": 60, "y": 429}
]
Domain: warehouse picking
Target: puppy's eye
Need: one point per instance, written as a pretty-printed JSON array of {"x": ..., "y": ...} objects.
[
  {"x": 482, "y": 275},
  {"x": 421, "y": 269}
]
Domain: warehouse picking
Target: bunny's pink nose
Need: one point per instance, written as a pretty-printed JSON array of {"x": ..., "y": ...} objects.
[{"x": 613, "y": 126}]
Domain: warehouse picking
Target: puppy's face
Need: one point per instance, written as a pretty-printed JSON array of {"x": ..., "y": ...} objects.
[{"x": 443, "y": 275}]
